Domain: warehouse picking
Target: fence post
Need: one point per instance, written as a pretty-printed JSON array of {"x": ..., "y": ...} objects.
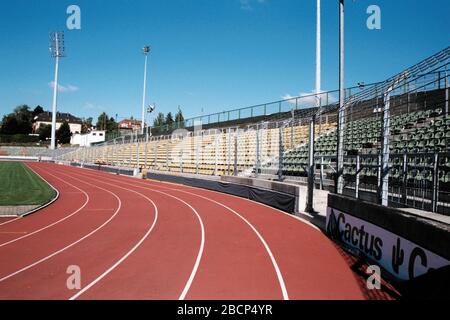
[
  {"x": 138, "y": 155},
  {"x": 258, "y": 152},
  {"x": 131, "y": 154},
  {"x": 435, "y": 183},
  {"x": 405, "y": 179},
  {"x": 311, "y": 168},
  {"x": 235, "y": 173},
  {"x": 167, "y": 157},
  {"x": 229, "y": 151},
  {"x": 196, "y": 139},
  {"x": 386, "y": 151},
  {"x": 181, "y": 154},
  {"x": 146, "y": 147},
  {"x": 358, "y": 168},
  {"x": 280, "y": 154},
  {"x": 155, "y": 155},
  {"x": 446, "y": 93},
  {"x": 216, "y": 151}
]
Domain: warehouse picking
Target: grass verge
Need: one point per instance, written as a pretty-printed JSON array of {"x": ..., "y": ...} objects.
[{"x": 20, "y": 186}]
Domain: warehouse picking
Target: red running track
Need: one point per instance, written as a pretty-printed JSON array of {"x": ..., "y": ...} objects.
[{"x": 136, "y": 239}]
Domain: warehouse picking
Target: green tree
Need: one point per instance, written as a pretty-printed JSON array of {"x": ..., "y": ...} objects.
[
  {"x": 86, "y": 125},
  {"x": 63, "y": 134},
  {"x": 179, "y": 118},
  {"x": 169, "y": 119},
  {"x": 24, "y": 119},
  {"x": 10, "y": 124},
  {"x": 111, "y": 125},
  {"x": 159, "y": 120},
  {"x": 44, "y": 132},
  {"x": 104, "y": 122},
  {"x": 18, "y": 122}
]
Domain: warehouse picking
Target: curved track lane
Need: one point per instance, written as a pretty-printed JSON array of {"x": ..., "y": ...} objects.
[
  {"x": 138, "y": 239},
  {"x": 310, "y": 265}
]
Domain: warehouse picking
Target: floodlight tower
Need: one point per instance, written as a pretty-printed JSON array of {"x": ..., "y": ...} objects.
[
  {"x": 57, "y": 50},
  {"x": 145, "y": 51}
]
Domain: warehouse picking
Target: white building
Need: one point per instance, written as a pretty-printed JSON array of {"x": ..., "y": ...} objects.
[
  {"x": 45, "y": 118},
  {"x": 86, "y": 140}
]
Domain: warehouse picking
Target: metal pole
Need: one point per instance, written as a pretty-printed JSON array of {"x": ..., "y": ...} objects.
[
  {"x": 321, "y": 173},
  {"x": 146, "y": 147},
  {"x": 138, "y": 155},
  {"x": 280, "y": 155},
  {"x": 311, "y": 169},
  {"x": 229, "y": 151},
  {"x": 216, "y": 152},
  {"x": 197, "y": 151},
  {"x": 55, "y": 96},
  {"x": 341, "y": 125},
  {"x": 358, "y": 168},
  {"x": 235, "y": 152},
  {"x": 435, "y": 183},
  {"x": 446, "y": 92},
  {"x": 146, "y": 52},
  {"x": 318, "y": 51},
  {"x": 258, "y": 151},
  {"x": 386, "y": 151}
]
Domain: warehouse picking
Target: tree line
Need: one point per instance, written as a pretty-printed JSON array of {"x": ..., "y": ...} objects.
[
  {"x": 168, "y": 120},
  {"x": 18, "y": 125}
]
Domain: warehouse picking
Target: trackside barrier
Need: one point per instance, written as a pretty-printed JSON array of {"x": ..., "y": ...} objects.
[
  {"x": 109, "y": 169},
  {"x": 412, "y": 249},
  {"x": 279, "y": 200}
]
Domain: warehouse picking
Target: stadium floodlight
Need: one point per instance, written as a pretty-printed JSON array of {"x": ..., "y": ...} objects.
[
  {"x": 146, "y": 52},
  {"x": 150, "y": 109},
  {"x": 57, "y": 50}
]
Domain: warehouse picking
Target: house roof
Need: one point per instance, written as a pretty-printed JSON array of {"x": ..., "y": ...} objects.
[
  {"x": 130, "y": 122},
  {"x": 60, "y": 117}
]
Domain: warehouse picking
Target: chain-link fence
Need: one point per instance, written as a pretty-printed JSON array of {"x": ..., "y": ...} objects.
[{"x": 395, "y": 140}]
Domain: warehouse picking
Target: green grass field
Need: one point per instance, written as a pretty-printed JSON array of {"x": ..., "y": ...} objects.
[{"x": 19, "y": 185}]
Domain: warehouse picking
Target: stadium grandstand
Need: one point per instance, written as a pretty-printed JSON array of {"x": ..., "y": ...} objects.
[{"x": 395, "y": 142}]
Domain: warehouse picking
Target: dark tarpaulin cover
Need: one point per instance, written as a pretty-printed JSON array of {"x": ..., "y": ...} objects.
[{"x": 282, "y": 201}]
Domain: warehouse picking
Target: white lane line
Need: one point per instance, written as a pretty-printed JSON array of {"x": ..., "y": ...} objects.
[
  {"x": 115, "y": 265},
  {"x": 266, "y": 246},
  {"x": 9, "y": 221},
  {"x": 202, "y": 243},
  {"x": 263, "y": 241},
  {"x": 300, "y": 219},
  {"x": 56, "y": 222},
  {"x": 73, "y": 243}
]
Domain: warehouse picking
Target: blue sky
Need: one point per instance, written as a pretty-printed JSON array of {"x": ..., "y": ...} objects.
[{"x": 209, "y": 55}]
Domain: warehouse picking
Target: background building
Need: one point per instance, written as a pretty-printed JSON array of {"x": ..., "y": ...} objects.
[
  {"x": 86, "y": 140},
  {"x": 45, "y": 118}
]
